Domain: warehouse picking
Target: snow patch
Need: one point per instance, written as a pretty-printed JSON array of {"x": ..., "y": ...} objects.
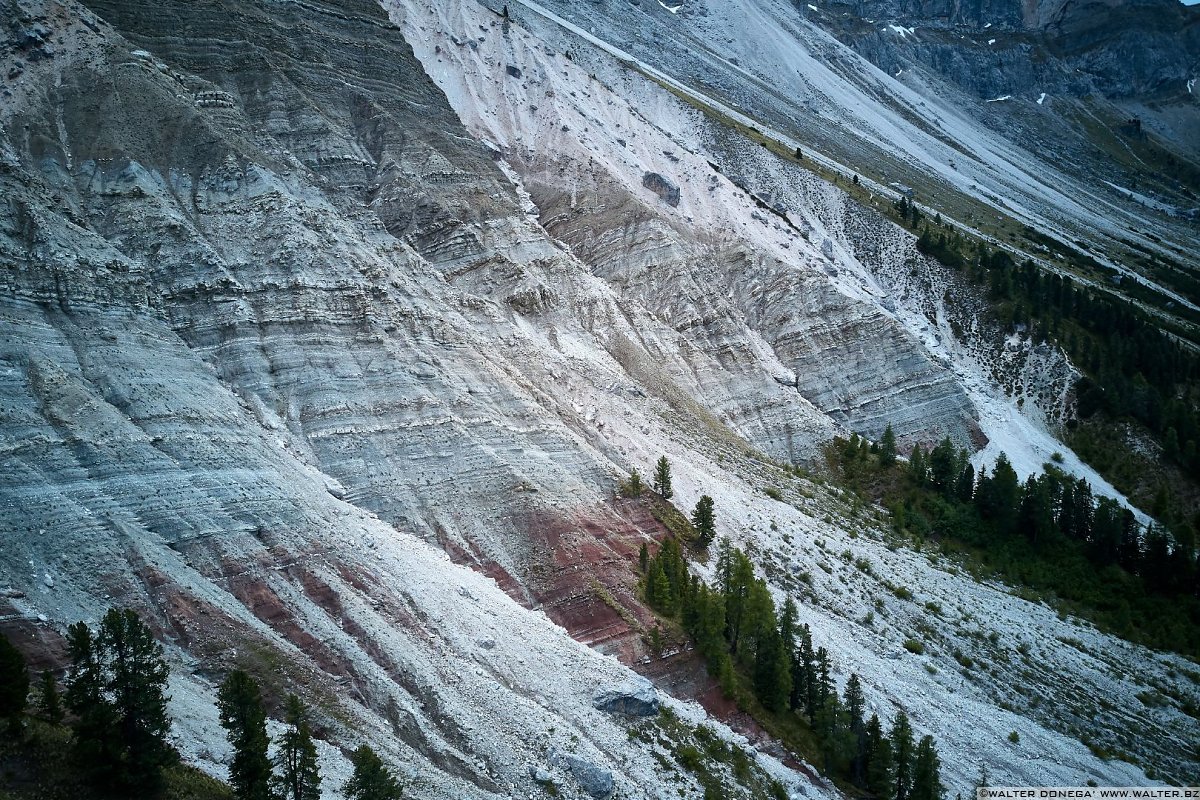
[
  {"x": 1041, "y": 98},
  {"x": 1001, "y": 98},
  {"x": 991, "y": 42},
  {"x": 672, "y": 9}
]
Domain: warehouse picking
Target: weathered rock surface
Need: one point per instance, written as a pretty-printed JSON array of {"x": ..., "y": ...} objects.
[
  {"x": 278, "y": 335},
  {"x": 639, "y": 700}
]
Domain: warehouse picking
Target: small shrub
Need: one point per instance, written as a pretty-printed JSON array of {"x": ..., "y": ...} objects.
[
  {"x": 903, "y": 593},
  {"x": 773, "y": 493},
  {"x": 935, "y": 608},
  {"x": 1014, "y": 737},
  {"x": 914, "y": 646}
]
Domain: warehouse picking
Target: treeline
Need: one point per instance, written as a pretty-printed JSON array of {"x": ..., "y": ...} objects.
[
  {"x": 745, "y": 640},
  {"x": 1134, "y": 369},
  {"x": 1048, "y": 532},
  {"x": 114, "y": 702}
]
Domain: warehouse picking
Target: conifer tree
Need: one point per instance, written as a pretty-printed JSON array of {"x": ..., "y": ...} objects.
[
  {"x": 887, "y": 447},
  {"x": 634, "y": 486},
  {"x": 787, "y": 640},
  {"x": 117, "y": 691},
  {"x": 96, "y": 746},
  {"x": 880, "y": 772},
  {"x": 926, "y": 783},
  {"x": 704, "y": 521},
  {"x": 49, "y": 701},
  {"x": 245, "y": 722},
  {"x": 902, "y": 756},
  {"x": 371, "y": 779},
  {"x": 824, "y": 681},
  {"x": 917, "y": 468},
  {"x": 772, "y": 671},
  {"x": 854, "y": 704},
  {"x": 808, "y": 661},
  {"x": 14, "y": 685},
  {"x": 298, "y": 777},
  {"x": 643, "y": 558},
  {"x": 738, "y": 578},
  {"x": 662, "y": 478}
]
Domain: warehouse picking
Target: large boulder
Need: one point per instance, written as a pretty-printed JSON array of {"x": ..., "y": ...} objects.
[
  {"x": 596, "y": 781},
  {"x": 635, "y": 698},
  {"x": 662, "y": 187}
]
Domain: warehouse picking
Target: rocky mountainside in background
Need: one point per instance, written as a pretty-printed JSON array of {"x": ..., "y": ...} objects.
[
  {"x": 1123, "y": 51},
  {"x": 326, "y": 329}
]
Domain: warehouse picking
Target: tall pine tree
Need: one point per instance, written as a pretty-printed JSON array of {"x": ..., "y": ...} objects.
[
  {"x": 662, "y": 478},
  {"x": 902, "y": 756},
  {"x": 297, "y": 777},
  {"x": 887, "y": 447},
  {"x": 117, "y": 690},
  {"x": 926, "y": 783},
  {"x": 704, "y": 521},
  {"x": 879, "y": 766},
  {"x": 14, "y": 685},
  {"x": 245, "y": 721}
]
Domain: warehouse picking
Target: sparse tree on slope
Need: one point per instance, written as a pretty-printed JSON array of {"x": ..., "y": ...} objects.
[
  {"x": 704, "y": 520},
  {"x": 14, "y": 685},
  {"x": 49, "y": 701},
  {"x": 245, "y": 721},
  {"x": 662, "y": 478},
  {"x": 298, "y": 777},
  {"x": 371, "y": 780}
]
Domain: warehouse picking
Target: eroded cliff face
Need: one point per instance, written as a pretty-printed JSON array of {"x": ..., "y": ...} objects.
[
  {"x": 325, "y": 355},
  {"x": 277, "y": 331},
  {"x": 1123, "y": 51}
]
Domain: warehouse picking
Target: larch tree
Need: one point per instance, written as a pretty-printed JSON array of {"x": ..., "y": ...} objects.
[
  {"x": 14, "y": 685},
  {"x": 245, "y": 722},
  {"x": 662, "y": 478},
  {"x": 704, "y": 520},
  {"x": 298, "y": 777},
  {"x": 371, "y": 779}
]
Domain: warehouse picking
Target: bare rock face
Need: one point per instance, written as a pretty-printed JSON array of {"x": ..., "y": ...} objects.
[
  {"x": 662, "y": 187},
  {"x": 638, "y": 699}
]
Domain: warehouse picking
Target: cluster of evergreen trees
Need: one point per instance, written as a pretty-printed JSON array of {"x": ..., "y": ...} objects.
[
  {"x": 1135, "y": 369},
  {"x": 703, "y": 519},
  {"x": 739, "y": 632},
  {"x": 116, "y": 695},
  {"x": 1053, "y": 507},
  {"x": 1049, "y": 532}
]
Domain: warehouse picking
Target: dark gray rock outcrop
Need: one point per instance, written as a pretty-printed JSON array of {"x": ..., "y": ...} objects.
[
  {"x": 662, "y": 187},
  {"x": 638, "y": 700}
]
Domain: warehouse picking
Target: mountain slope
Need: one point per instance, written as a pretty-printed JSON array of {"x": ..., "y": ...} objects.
[{"x": 324, "y": 352}]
